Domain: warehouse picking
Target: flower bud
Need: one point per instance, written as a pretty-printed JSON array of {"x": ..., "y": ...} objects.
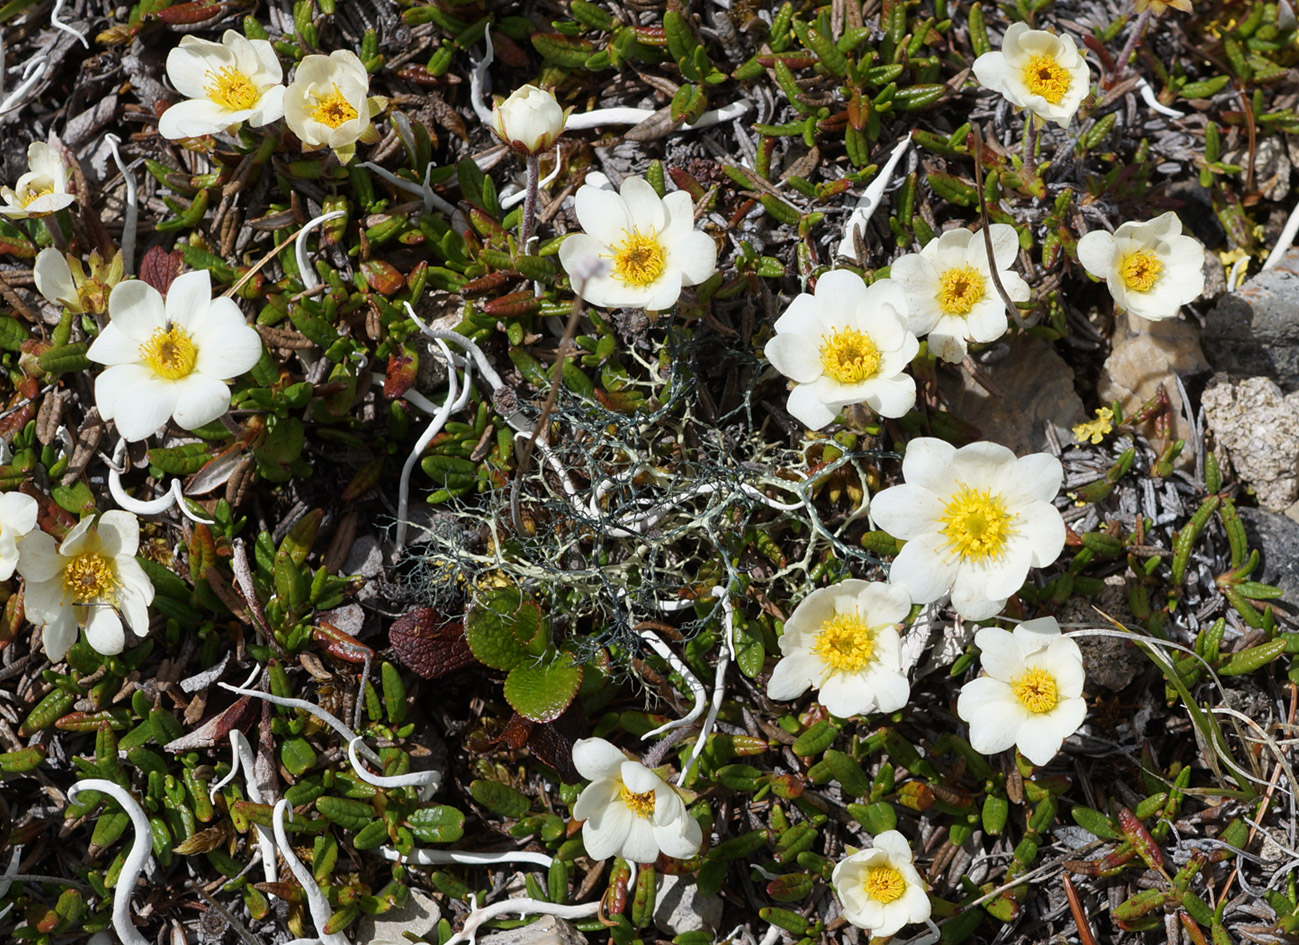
[{"x": 529, "y": 121}]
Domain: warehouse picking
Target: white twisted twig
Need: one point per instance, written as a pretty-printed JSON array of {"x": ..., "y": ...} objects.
[
  {"x": 422, "y": 857},
  {"x": 696, "y": 687},
  {"x": 331, "y": 720},
  {"x": 173, "y": 496},
  {"x": 138, "y": 857},
  {"x": 130, "y": 220},
  {"x": 426, "y": 781},
  {"x": 241, "y": 751},
  {"x": 306, "y": 272},
  {"x": 719, "y": 680},
  {"x": 317, "y": 905},
  {"x": 870, "y": 200}
]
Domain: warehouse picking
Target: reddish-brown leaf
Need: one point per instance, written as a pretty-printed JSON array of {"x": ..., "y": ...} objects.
[
  {"x": 158, "y": 268},
  {"x": 429, "y": 644}
]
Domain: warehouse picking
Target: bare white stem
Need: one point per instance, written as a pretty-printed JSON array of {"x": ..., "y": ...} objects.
[
  {"x": 1284, "y": 241},
  {"x": 33, "y": 73},
  {"x": 719, "y": 680},
  {"x": 306, "y": 272},
  {"x": 513, "y": 200},
  {"x": 697, "y": 691},
  {"x": 1148, "y": 96},
  {"x": 58, "y": 24},
  {"x": 600, "y": 117},
  {"x": 426, "y": 782},
  {"x": 241, "y": 751},
  {"x": 433, "y": 429},
  {"x": 317, "y": 905},
  {"x": 131, "y": 220},
  {"x": 424, "y": 191},
  {"x": 422, "y": 857},
  {"x": 182, "y": 503},
  {"x": 477, "y": 82},
  {"x": 524, "y": 906},
  {"x": 332, "y": 721},
  {"x": 136, "y": 860},
  {"x": 870, "y": 200}
]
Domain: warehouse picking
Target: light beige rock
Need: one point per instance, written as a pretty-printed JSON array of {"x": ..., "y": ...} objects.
[
  {"x": 548, "y": 930},
  {"x": 1258, "y": 428},
  {"x": 1034, "y": 387},
  {"x": 1146, "y": 354},
  {"x": 419, "y": 915}
]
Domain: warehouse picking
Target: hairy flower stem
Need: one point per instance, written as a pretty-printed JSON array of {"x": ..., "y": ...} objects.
[
  {"x": 530, "y": 202},
  {"x": 1138, "y": 33},
  {"x": 1030, "y": 148}
]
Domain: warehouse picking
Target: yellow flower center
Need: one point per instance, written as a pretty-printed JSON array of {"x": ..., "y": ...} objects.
[
  {"x": 884, "y": 884},
  {"x": 976, "y": 523},
  {"x": 1047, "y": 78},
  {"x": 1036, "y": 691},
  {"x": 642, "y": 805},
  {"x": 960, "y": 289},
  {"x": 88, "y": 577},
  {"x": 639, "y": 259},
  {"x": 333, "y": 109},
  {"x": 845, "y": 644},
  {"x": 30, "y": 194},
  {"x": 170, "y": 353},
  {"x": 1140, "y": 270},
  {"x": 231, "y": 89},
  {"x": 849, "y": 356}
]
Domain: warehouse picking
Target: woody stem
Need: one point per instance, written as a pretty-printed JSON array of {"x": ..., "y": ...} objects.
[
  {"x": 529, "y": 222},
  {"x": 1138, "y": 32}
]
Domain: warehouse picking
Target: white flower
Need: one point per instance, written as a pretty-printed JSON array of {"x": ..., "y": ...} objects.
[
  {"x": 1152, "y": 270},
  {"x": 652, "y": 245},
  {"x": 844, "y": 641},
  {"x": 528, "y": 121},
  {"x": 847, "y": 344},
  {"x": 43, "y": 189},
  {"x": 629, "y": 810},
  {"x": 950, "y": 292},
  {"x": 326, "y": 105},
  {"x": 225, "y": 84},
  {"x": 1037, "y": 70},
  {"x": 64, "y": 281},
  {"x": 170, "y": 361},
  {"x": 88, "y": 580},
  {"x": 17, "y": 518},
  {"x": 974, "y": 519},
  {"x": 879, "y": 888},
  {"x": 1031, "y": 696}
]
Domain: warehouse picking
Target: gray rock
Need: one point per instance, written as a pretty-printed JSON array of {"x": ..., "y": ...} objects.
[
  {"x": 1110, "y": 663},
  {"x": 418, "y": 916},
  {"x": 548, "y": 930},
  {"x": 1257, "y": 428},
  {"x": 1277, "y": 540},
  {"x": 1034, "y": 387},
  {"x": 1145, "y": 355},
  {"x": 679, "y": 907},
  {"x": 1254, "y": 332}
]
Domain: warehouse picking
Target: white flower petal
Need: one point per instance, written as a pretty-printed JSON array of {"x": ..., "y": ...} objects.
[
  {"x": 924, "y": 568},
  {"x": 104, "y": 631},
  {"x": 136, "y": 309},
  {"x": 119, "y": 533},
  {"x": 596, "y": 759},
  {"x": 603, "y": 215}
]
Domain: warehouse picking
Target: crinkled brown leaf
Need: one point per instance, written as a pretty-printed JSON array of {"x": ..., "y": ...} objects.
[{"x": 428, "y": 644}]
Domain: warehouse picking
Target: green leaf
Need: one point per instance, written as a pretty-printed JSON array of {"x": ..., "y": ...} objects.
[
  {"x": 500, "y": 798},
  {"x": 297, "y": 755},
  {"x": 440, "y": 824},
  {"x": 502, "y": 628},
  {"x": 542, "y": 691}
]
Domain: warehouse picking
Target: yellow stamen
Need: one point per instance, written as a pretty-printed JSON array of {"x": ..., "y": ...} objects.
[
  {"x": 849, "y": 356},
  {"x": 960, "y": 289},
  {"x": 639, "y": 259},
  {"x": 333, "y": 109},
  {"x": 1047, "y": 78},
  {"x": 1036, "y": 691},
  {"x": 88, "y": 577},
  {"x": 884, "y": 884},
  {"x": 231, "y": 89},
  {"x": 170, "y": 353},
  {"x": 845, "y": 644},
  {"x": 976, "y": 523},
  {"x": 642, "y": 805},
  {"x": 30, "y": 194},
  {"x": 1140, "y": 270}
]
